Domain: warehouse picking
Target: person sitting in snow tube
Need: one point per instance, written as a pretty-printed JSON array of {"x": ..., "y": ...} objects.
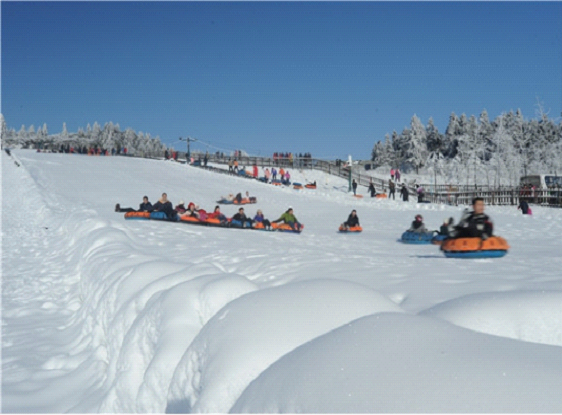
[
  {"x": 290, "y": 219},
  {"x": 164, "y": 206},
  {"x": 443, "y": 232},
  {"x": 473, "y": 224},
  {"x": 418, "y": 225},
  {"x": 352, "y": 223},
  {"x": 218, "y": 215},
  {"x": 311, "y": 185},
  {"x": 191, "y": 211},
  {"x": 260, "y": 222},
  {"x": 417, "y": 234},
  {"x": 241, "y": 220},
  {"x": 473, "y": 236},
  {"x": 145, "y": 206}
]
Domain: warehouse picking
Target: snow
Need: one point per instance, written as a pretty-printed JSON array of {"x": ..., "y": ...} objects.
[{"x": 100, "y": 314}]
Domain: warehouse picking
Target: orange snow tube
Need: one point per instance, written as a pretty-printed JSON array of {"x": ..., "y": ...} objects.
[
  {"x": 310, "y": 186},
  {"x": 137, "y": 215},
  {"x": 285, "y": 227},
  {"x": 494, "y": 246},
  {"x": 381, "y": 196},
  {"x": 352, "y": 229}
]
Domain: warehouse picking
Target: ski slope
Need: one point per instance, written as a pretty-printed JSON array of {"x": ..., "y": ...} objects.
[{"x": 101, "y": 314}]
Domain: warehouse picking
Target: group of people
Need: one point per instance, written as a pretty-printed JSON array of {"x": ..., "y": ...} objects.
[
  {"x": 239, "y": 219},
  {"x": 270, "y": 175},
  {"x": 473, "y": 223}
]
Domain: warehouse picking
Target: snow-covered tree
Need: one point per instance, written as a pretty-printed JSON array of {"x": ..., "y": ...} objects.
[{"x": 415, "y": 149}]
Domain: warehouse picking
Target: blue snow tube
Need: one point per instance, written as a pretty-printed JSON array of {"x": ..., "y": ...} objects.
[
  {"x": 420, "y": 238},
  {"x": 476, "y": 254},
  {"x": 437, "y": 239}
]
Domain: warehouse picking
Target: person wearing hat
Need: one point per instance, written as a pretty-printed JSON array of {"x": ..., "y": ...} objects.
[
  {"x": 290, "y": 219},
  {"x": 418, "y": 225},
  {"x": 181, "y": 207}
]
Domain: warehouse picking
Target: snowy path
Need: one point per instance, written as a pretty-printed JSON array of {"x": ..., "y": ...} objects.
[{"x": 104, "y": 314}]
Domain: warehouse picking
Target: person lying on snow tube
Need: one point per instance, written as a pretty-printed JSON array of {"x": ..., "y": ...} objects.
[
  {"x": 252, "y": 199},
  {"x": 181, "y": 207},
  {"x": 241, "y": 220},
  {"x": 165, "y": 206},
  {"x": 259, "y": 218},
  {"x": 217, "y": 215},
  {"x": 473, "y": 224},
  {"x": 145, "y": 206},
  {"x": 290, "y": 219},
  {"x": 418, "y": 225},
  {"x": 352, "y": 221}
]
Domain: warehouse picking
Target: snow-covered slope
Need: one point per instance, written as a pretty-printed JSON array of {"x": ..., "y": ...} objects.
[{"x": 101, "y": 314}]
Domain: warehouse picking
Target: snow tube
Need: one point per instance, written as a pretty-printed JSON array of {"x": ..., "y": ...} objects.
[
  {"x": 297, "y": 185},
  {"x": 358, "y": 196},
  {"x": 381, "y": 196},
  {"x": 438, "y": 239},
  {"x": 160, "y": 216},
  {"x": 137, "y": 215},
  {"x": 276, "y": 182},
  {"x": 493, "y": 247},
  {"x": 310, "y": 186},
  {"x": 206, "y": 222},
  {"x": 283, "y": 227},
  {"x": 353, "y": 229},
  {"x": 225, "y": 202},
  {"x": 245, "y": 201},
  {"x": 420, "y": 238}
]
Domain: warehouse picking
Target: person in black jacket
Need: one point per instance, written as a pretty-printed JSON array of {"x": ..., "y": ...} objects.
[
  {"x": 354, "y": 186},
  {"x": 447, "y": 224},
  {"x": 473, "y": 224},
  {"x": 352, "y": 220},
  {"x": 164, "y": 205},
  {"x": 404, "y": 193},
  {"x": 240, "y": 219},
  {"x": 372, "y": 189},
  {"x": 145, "y": 206},
  {"x": 524, "y": 206}
]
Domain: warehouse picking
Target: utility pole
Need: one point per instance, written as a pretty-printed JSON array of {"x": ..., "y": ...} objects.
[
  {"x": 188, "y": 154},
  {"x": 350, "y": 163}
]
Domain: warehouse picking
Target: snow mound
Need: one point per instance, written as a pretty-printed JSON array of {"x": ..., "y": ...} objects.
[
  {"x": 532, "y": 316},
  {"x": 399, "y": 363},
  {"x": 255, "y": 330}
]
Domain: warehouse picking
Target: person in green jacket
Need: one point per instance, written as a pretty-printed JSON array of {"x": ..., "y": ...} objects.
[{"x": 290, "y": 219}]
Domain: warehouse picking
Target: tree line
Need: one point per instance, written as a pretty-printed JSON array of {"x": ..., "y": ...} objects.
[
  {"x": 476, "y": 151},
  {"x": 109, "y": 137}
]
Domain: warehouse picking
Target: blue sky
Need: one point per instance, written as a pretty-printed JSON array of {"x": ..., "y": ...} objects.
[{"x": 330, "y": 78}]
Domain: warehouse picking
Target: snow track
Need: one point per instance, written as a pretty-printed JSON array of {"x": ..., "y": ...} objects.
[{"x": 100, "y": 314}]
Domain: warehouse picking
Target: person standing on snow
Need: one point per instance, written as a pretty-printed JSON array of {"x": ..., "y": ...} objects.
[
  {"x": 354, "y": 186},
  {"x": 404, "y": 193},
  {"x": 391, "y": 189}
]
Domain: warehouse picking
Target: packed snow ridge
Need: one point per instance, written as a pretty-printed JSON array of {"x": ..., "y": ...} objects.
[{"x": 103, "y": 314}]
